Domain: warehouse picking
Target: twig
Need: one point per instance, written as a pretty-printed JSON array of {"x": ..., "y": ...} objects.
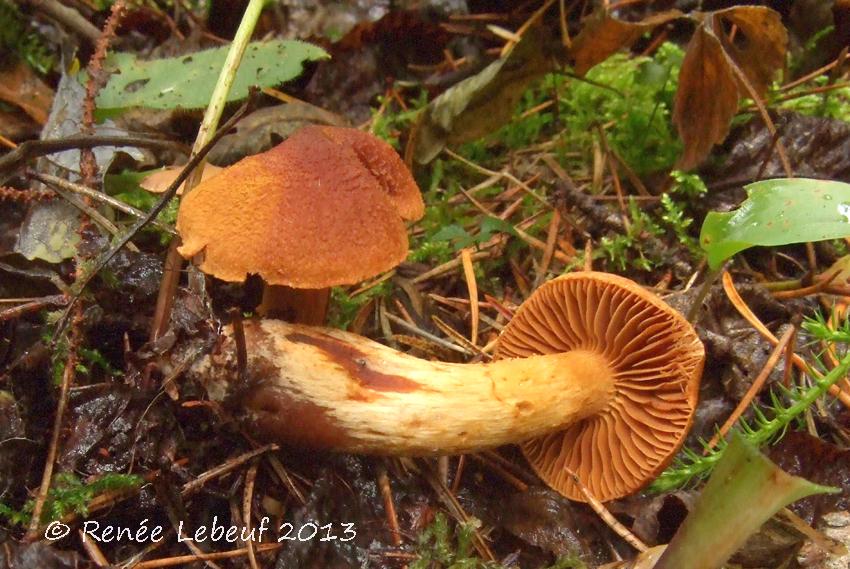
[
  {"x": 68, "y": 17},
  {"x": 449, "y": 266},
  {"x": 36, "y": 148},
  {"x": 749, "y": 316},
  {"x": 88, "y": 164},
  {"x": 33, "y": 305},
  {"x": 771, "y": 127},
  {"x": 495, "y": 467},
  {"x": 85, "y": 206},
  {"x": 427, "y": 335},
  {"x": 93, "y": 551},
  {"x": 389, "y": 505},
  {"x": 95, "y": 195},
  {"x": 241, "y": 347},
  {"x": 754, "y": 389},
  {"x": 247, "y": 500},
  {"x": 506, "y": 175},
  {"x": 186, "y": 559},
  {"x": 279, "y": 470},
  {"x": 198, "y": 483},
  {"x": 25, "y": 196},
  {"x": 472, "y": 287},
  {"x": 67, "y": 379},
  {"x": 606, "y": 516},
  {"x": 454, "y": 507}
]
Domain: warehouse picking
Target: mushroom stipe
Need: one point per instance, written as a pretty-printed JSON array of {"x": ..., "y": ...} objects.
[{"x": 593, "y": 375}]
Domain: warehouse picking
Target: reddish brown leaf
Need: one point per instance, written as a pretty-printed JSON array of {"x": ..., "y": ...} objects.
[
  {"x": 759, "y": 44},
  {"x": 20, "y": 86},
  {"x": 603, "y": 35},
  {"x": 707, "y": 98}
]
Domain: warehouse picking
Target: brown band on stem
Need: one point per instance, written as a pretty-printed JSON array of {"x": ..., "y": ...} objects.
[{"x": 354, "y": 362}]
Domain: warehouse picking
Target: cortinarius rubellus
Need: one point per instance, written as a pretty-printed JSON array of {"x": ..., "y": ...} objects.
[
  {"x": 593, "y": 375},
  {"x": 325, "y": 207}
]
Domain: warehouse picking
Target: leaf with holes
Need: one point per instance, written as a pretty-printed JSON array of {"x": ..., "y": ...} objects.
[
  {"x": 778, "y": 212},
  {"x": 188, "y": 81},
  {"x": 758, "y": 45}
]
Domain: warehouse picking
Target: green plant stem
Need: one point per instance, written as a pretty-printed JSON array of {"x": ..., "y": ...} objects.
[
  {"x": 218, "y": 99},
  {"x": 768, "y": 430},
  {"x": 708, "y": 282}
]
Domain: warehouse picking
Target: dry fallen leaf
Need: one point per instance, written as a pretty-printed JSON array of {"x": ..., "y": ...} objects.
[
  {"x": 159, "y": 181},
  {"x": 19, "y": 85},
  {"x": 602, "y": 35},
  {"x": 710, "y": 82},
  {"x": 707, "y": 97},
  {"x": 759, "y": 44},
  {"x": 484, "y": 102}
]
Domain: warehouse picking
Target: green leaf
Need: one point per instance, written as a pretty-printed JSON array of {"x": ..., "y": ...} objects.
[
  {"x": 188, "y": 81},
  {"x": 778, "y": 212},
  {"x": 492, "y": 225},
  {"x": 745, "y": 490},
  {"x": 456, "y": 233}
]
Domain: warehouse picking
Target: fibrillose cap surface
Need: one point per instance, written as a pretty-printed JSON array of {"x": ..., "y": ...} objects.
[
  {"x": 323, "y": 208},
  {"x": 656, "y": 358}
]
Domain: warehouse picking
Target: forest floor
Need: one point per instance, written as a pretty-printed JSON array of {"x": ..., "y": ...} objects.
[{"x": 594, "y": 136}]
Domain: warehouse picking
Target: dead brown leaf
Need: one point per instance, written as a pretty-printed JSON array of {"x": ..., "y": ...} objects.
[
  {"x": 707, "y": 98},
  {"x": 20, "y": 86},
  {"x": 759, "y": 43},
  {"x": 159, "y": 181},
  {"x": 484, "y": 102},
  {"x": 603, "y": 35}
]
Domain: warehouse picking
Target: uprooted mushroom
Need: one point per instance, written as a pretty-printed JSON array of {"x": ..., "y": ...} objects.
[{"x": 593, "y": 376}]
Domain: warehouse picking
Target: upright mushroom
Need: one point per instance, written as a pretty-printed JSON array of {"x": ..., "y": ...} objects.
[
  {"x": 326, "y": 207},
  {"x": 593, "y": 374}
]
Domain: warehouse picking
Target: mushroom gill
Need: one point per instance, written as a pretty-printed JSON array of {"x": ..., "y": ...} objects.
[{"x": 656, "y": 359}]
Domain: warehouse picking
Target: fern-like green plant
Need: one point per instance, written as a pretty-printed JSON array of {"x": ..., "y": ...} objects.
[
  {"x": 787, "y": 405},
  {"x": 70, "y": 494}
]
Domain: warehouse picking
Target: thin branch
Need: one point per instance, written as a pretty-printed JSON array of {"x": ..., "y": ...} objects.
[
  {"x": 98, "y": 196},
  {"x": 35, "y": 148}
]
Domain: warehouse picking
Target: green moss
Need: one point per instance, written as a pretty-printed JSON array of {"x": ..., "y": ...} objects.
[
  {"x": 19, "y": 37},
  {"x": 834, "y": 104},
  {"x": 633, "y": 98},
  {"x": 441, "y": 547},
  {"x": 344, "y": 306},
  {"x": 69, "y": 494}
]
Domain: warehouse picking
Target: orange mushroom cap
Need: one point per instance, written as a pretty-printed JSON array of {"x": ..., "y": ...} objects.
[
  {"x": 656, "y": 359},
  {"x": 323, "y": 208}
]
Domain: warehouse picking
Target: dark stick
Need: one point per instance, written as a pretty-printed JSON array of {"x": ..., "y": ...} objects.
[
  {"x": 34, "y": 148},
  {"x": 241, "y": 348}
]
